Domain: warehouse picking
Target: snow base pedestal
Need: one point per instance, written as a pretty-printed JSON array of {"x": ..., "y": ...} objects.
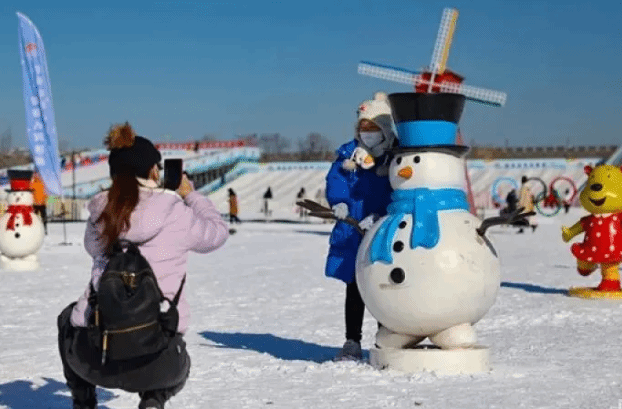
[
  {"x": 28, "y": 263},
  {"x": 432, "y": 359},
  {"x": 590, "y": 292}
]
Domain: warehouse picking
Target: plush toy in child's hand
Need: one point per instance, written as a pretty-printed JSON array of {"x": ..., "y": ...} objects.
[{"x": 361, "y": 158}]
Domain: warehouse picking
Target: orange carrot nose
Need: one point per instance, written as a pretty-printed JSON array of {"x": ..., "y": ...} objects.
[
  {"x": 368, "y": 160},
  {"x": 406, "y": 172}
]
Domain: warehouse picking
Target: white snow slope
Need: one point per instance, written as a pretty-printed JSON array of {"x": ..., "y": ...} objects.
[{"x": 266, "y": 323}]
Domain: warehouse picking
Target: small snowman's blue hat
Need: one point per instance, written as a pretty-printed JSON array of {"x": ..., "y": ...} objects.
[
  {"x": 427, "y": 122},
  {"x": 20, "y": 180}
]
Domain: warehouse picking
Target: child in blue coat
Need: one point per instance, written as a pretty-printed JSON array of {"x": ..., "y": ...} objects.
[{"x": 358, "y": 186}]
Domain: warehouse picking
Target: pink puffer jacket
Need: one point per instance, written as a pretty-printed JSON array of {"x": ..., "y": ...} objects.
[{"x": 168, "y": 227}]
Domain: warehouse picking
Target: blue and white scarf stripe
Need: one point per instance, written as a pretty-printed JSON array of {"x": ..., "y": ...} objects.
[{"x": 423, "y": 204}]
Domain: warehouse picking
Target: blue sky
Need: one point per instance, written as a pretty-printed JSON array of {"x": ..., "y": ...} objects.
[{"x": 180, "y": 69}]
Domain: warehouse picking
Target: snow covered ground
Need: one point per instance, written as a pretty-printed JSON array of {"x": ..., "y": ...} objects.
[{"x": 266, "y": 323}]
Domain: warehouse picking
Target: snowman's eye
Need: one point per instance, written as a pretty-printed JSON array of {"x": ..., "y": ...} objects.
[
  {"x": 417, "y": 159},
  {"x": 397, "y": 276},
  {"x": 398, "y": 160}
]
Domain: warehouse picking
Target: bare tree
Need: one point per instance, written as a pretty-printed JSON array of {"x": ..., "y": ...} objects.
[
  {"x": 250, "y": 139},
  {"x": 314, "y": 146},
  {"x": 281, "y": 144},
  {"x": 273, "y": 143}
]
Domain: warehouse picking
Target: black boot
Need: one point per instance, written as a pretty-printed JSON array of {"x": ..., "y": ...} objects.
[
  {"x": 152, "y": 399},
  {"x": 84, "y": 398},
  {"x": 82, "y": 392}
]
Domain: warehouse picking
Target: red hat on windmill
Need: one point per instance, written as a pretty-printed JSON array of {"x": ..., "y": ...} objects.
[{"x": 20, "y": 180}]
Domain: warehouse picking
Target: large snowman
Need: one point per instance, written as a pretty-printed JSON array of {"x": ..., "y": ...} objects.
[
  {"x": 423, "y": 270},
  {"x": 21, "y": 230}
]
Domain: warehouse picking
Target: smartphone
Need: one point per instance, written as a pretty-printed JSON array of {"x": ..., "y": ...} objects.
[{"x": 173, "y": 169}]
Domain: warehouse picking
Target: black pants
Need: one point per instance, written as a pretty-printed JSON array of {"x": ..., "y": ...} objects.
[
  {"x": 42, "y": 212},
  {"x": 163, "y": 375},
  {"x": 355, "y": 310}
]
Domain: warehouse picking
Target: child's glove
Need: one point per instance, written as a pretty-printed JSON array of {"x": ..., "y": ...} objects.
[
  {"x": 367, "y": 222},
  {"x": 340, "y": 210}
]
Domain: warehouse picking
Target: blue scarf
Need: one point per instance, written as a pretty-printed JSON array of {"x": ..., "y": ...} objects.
[{"x": 423, "y": 204}]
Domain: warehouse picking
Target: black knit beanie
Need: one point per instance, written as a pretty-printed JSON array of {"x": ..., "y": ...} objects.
[{"x": 139, "y": 158}]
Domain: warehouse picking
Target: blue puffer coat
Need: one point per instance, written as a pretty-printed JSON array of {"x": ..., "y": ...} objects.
[{"x": 365, "y": 193}]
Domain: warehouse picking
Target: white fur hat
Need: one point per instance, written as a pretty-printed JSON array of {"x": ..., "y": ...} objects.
[
  {"x": 372, "y": 108},
  {"x": 378, "y": 111}
]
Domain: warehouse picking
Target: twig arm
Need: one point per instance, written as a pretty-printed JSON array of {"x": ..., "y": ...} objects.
[
  {"x": 511, "y": 218},
  {"x": 324, "y": 212}
]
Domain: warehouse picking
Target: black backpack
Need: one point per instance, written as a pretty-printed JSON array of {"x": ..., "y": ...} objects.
[{"x": 126, "y": 320}]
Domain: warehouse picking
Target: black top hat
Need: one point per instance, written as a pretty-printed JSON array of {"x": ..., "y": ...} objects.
[
  {"x": 19, "y": 179},
  {"x": 427, "y": 122}
]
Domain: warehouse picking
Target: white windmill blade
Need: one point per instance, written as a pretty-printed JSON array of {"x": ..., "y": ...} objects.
[
  {"x": 401, "y": 75},
  {"x": 486, "y": 96},
  {"x": 443, "y": 40},
  {"x": 389, "y": 73}
]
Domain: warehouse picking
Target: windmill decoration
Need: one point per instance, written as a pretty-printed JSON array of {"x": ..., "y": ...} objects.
[{"x": 436, "y": 78}]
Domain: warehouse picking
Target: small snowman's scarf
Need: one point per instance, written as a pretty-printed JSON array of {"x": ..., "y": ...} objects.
[
  {"x": 14, "y": 210},
  {"x": 423, "y": 204}
]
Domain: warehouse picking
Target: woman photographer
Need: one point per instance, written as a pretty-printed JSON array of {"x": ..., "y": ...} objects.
[{"x": 166, "y": 226}]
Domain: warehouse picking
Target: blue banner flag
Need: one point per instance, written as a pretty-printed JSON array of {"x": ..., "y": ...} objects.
[{"x": 40, "y": 122}]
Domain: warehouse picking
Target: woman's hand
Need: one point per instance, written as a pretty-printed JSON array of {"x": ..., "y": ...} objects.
[{"x": 185, "y": 186}]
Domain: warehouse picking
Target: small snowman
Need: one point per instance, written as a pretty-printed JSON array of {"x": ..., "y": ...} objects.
[
  {"x": 426, "y": 270},
  {"x": 21, "y": 230}
]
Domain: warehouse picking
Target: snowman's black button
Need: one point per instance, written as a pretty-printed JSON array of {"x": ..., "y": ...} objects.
[
  {"x": 402, "y": 225},
  {"x": 398, "y": 246},
  {"x": 397, "y": 276},
  {"x": 17, "y": 235}
]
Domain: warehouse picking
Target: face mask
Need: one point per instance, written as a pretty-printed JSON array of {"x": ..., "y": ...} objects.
[{"x": 371, "y": 139}]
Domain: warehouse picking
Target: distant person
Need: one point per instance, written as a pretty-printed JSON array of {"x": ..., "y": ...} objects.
[
  {"x": 165, "y": 226},
  {"x": 566, "y": 203},
  {"x": 233, "y": 207},
  {"x": 511, "y": 205},
  {"x": 555, "y": 200},
  {"x": 527, "y": 201},
  {"x": 511, "y": 200},
  {"x": 362, "y": 193},
  {"x": 300, "y": 196},
  {"x": 267, "y": 196},
  {"x": 40, "y": 199}
]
